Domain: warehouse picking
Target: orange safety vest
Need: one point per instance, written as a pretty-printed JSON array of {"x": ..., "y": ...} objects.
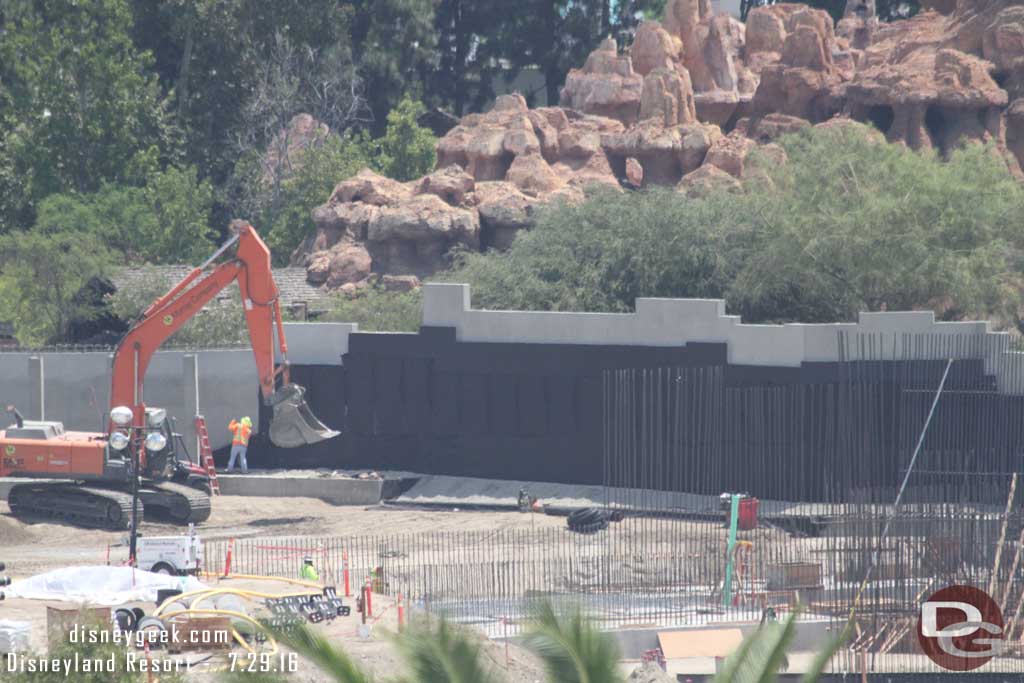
[{"x": 241, "y": 433}]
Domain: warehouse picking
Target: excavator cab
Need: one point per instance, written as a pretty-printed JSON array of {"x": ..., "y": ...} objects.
[{"x": 293, "y": 423}]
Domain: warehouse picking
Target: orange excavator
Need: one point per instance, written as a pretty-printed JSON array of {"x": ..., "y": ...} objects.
[{"x": 96, "y": 469}]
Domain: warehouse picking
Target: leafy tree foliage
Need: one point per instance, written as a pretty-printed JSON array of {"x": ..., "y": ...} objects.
[
  {"x": 556, "y": 35},
  {"x": 376, "y": 310},
  {"x": 316, "y": 172},
  {"x": 856, "y": 224},
  {"x": 848, "y": 224},
  {"x": 888, "y": 10},
  {"x": 394, "y": 41},
  {"x": 41, "y": 273},
  {"x": 166, "y": 221},
  {"x": 209, "y": 55},
  {"x": 280, "y": 200},
  {"x": 82, "y": 107},
  {"x": 603, "y": 254},
  {"x": 406, "y": 151}
]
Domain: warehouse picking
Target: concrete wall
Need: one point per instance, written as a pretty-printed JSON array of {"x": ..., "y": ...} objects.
[
  {"x": 76, "y": 388},
  {"x": 674, "y": 322},
  {"x": 73, "y": 387},
  {"x": 76, "y": 385},
  {"x": 318, "y": 343}
]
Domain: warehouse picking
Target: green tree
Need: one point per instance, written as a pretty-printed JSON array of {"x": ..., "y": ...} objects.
[
  {"x": 888, "y": 10},
  {"x": 394, "y": 43},
  {"x": 317, "y": 172},
  {"x": 854, "y": 224},
  {"x": 180, "y": 206},
  {"x": 40, "y": 274},
  {"x": 167, "y": 221},
  {"x": 603, "y": 254},
  {"x": 82, "y": 107},
  {"x": 376, "y": 310},
  {"x": 406, "y": 151},
  {"x": 762, "y": 654},
  {"x": 571, "y": 647},
  {"x": 557, "y": 35},
  {"x": 847, "y": 224},
  {"x": 208, "y": 55},
  {"x": 293, "y": 84}
]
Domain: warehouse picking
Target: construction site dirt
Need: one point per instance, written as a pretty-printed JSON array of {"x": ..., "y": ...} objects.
[{"x": 34, "y": 547}]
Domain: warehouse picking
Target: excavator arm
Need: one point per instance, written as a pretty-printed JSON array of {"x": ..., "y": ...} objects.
[{"x": 293, "y": 424}]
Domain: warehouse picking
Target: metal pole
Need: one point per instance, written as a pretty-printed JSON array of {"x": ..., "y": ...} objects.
[
  {"x": 733, "y": 521},
  {"x": 135, "y": 503}
]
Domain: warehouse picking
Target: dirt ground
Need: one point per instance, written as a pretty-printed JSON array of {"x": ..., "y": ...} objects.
[
  {"x": 36, "y": 547},
  {"x": 31, "y": 548}
]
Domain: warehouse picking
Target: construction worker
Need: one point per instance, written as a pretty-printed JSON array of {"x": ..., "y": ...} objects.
[
  {"x": 240, "y": 442},
  {"x": 309, "y": 572}
]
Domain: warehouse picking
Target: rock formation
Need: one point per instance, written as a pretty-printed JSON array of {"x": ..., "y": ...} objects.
[{"x": 696, "y": 102}]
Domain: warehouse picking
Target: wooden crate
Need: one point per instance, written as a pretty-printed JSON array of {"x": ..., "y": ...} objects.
[
  {"x": 781, "y": 576},
  {"x": 60, "y": 621},
  {"x": 200, "y": 633}
]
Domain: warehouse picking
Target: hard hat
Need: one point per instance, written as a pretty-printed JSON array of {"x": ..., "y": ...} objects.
[
  {"x": 307, "y": 559},
  {"x": 246, "y": 421}
]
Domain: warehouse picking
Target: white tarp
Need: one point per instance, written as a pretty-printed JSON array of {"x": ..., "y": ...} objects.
[
  {"x": 105, "y": 586},
  {"x": 14, "y": 635}
]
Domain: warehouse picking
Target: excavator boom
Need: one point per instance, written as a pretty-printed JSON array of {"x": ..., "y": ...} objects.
[{"x": 293, "y": 423}]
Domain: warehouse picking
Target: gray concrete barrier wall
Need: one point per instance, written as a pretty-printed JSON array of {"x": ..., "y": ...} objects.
[
  {"x": 76, "y": 385},
  {"x": 14, "y": 383},
  {"x": 676, "y": 322},
  {"x": 76, "y": 388},
  {"x": 318, "y": 343}
]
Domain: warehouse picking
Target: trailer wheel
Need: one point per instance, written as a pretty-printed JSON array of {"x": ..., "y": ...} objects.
[{"x": 164, "y": 568}]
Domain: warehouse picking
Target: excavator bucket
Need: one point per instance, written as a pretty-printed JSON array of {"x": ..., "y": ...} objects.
[{"x": 293, "y": 423}]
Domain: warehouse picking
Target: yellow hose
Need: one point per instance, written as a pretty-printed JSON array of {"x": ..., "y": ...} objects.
[
  {"x": 206, "y": 593},
  {"x": 299, "y": 582}
]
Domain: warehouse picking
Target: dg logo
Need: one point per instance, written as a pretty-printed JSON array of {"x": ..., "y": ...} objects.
[{"x": 960, "y": 628}]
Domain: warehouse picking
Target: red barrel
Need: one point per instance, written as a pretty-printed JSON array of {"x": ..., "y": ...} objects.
[{"x": 748, "y": 514}]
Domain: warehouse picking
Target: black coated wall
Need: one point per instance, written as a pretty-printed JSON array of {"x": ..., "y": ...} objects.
[
  {"x": 427, "y": 403},
  {"x": 844, "y": 434}
]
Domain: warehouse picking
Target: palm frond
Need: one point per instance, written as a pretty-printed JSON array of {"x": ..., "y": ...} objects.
[
  {"x": 572, "y": 649},
  {"x": 760, "y": 656},
  {"x": 437, "y": 652},
  {"x": 822, "y": 657},
  {"x": 327, "y": 657}
]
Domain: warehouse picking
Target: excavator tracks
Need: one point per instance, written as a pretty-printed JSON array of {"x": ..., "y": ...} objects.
[
  {"x": 178, "y": 503},
  {"x": 80, "y": 505}
]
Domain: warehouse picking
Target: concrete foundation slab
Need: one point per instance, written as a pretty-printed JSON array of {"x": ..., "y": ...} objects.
[{"x": 330, "y": 490}]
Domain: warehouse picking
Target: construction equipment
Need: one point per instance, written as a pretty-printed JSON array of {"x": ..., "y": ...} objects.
[
  {"x": 96, "y": 469},
  {"x": 173, "y": 555}
]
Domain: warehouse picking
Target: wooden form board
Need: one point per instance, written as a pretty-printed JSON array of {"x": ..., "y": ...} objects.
[{"x": 708, "y": 642}]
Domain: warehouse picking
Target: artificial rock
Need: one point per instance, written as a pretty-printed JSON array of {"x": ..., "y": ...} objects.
[{"x": 698, "y": 101}]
